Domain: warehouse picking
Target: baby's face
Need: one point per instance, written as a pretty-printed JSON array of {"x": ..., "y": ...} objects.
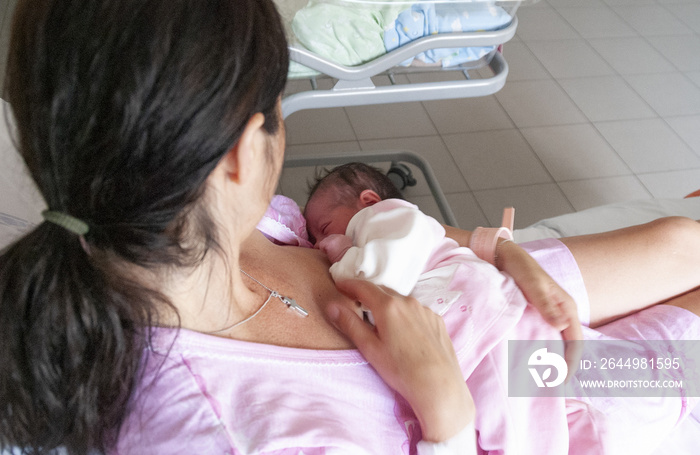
[{"x": 325, "y": 216}]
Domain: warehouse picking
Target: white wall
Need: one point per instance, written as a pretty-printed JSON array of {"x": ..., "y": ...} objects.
[{"x": 20, "y": 202}]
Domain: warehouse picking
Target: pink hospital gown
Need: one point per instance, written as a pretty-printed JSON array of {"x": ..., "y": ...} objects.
[{"x": 205, "y": 394}]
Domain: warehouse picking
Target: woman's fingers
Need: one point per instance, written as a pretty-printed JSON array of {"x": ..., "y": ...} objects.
[
  {"x": 369, "y": 294},
  {"x": 410, "y": 349},
  {"x": 350, "y": 324},
  {"x": 559, "y": 309}
]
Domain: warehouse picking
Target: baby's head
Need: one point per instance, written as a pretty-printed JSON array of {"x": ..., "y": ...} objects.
[{"x": 337, "y": 195}]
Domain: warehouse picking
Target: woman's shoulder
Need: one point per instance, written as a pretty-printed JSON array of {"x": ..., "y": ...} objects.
[{"x": 167, "y": 406}]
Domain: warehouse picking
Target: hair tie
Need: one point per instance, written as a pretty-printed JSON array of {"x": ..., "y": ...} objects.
[{"x": 67, "y": 222}]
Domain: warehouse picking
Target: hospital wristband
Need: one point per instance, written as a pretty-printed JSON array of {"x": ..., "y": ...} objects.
[{"x": 483, "y": 241}]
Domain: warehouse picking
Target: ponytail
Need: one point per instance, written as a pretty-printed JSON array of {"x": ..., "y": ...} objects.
[
  {"x": 70, "y": 349},
  {"x": 123, "y": 109}
]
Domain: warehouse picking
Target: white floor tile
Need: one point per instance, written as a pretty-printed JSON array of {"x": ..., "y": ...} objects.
[
  {"x": 593, "y": 22},
  {"x": 575, "y": 152},
  {"x": 585, "y": 194},
  {"x": 465, "y": 115},
  {"x": 668, "y": 94},
  {"x": 532, "y": 203},
  {"x": 651, "y": 20},
  {"x": 390, "y": 120},
  {"x": 535, "y": 4},
  {"x": 688, "y": 128},
  {"x": 322, "y": 149},
  {"x": 522, "y": 64},
  {"x": 428, "y": 205},
  {"x": 688, "y": 12},
  {"x": 632, "y": 55},
  {"x": 467, "y": 211},
  {"x": 539, "y": 103},
  {"x": 682, "y": 51},
  {"x": 569, "y": 3},
  {"x": 672, "y": 185},
  {"x": 675, "y": 2},
  {"x": 570, "y": 58},
  {"x": 296, "y": 86},
  {"x": 434, "y": 151},
  {"x": 648, "y": 145},
  {"x": 543, "y": 24},
  {"x": 606, "y": 98},
  {"x": 694, "y": 76},
  {"x": 496, "y": 159},
  {"x": 319, "y": 125},
  {"x": 629, "y": 2}
]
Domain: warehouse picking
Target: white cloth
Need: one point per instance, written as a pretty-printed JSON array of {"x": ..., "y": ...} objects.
[{"x": 395, "y": 245}]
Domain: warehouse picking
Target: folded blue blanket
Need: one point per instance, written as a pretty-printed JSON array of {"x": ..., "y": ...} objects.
[
  {"x": 424, "y": 19},
  {"x": 352, "y": 36}
]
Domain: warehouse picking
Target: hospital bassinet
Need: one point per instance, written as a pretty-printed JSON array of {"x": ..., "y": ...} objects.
[
  {"x": 351, "y": 41},
  {"x": 349, "y": 46}
]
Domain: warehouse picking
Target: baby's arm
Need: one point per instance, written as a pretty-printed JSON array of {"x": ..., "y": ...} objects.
[
  {"x": 554, "y": 304},
  {"x": 392, "y": 242}
]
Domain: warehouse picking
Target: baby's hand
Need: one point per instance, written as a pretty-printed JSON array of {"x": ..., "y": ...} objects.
[{"x": 335, "y": 246}]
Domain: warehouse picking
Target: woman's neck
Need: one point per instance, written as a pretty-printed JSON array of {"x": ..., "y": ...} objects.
[
  {"x": 202, "y": 297},
  {"x": 298, "y": 273},
  {"x": 211, "y": 295}
]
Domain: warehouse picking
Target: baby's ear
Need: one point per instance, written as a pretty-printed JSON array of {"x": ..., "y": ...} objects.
[{"x": 368, "y": 198}]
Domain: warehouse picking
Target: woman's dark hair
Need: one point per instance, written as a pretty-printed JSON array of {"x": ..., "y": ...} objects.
[
  {"x": 123, "y": 109},
  {"x": 351, "y": 179}
]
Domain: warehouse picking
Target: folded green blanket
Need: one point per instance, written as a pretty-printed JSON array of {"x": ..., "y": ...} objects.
[{"x": 349, "y": 34}]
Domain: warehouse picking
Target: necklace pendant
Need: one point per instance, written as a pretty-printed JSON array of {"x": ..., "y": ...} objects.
[{"x": 292, "y": 304}]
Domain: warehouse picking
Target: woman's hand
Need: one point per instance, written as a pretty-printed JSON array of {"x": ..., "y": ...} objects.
[
  {"x": 554, "y": 304},
  {"x": 410, "y": 349}
]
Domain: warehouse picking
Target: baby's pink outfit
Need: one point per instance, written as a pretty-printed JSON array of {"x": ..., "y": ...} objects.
[
  {"x": 205, "y": 394},
  {"x": 284, "y": 224}
]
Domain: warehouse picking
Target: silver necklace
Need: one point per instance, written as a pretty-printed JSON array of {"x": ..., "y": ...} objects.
[{"x": 291, "y": 303}]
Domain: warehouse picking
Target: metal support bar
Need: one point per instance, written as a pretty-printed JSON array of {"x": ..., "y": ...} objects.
[
  {"x": 382, "y": 156},
  {"x": 400, "y": 93}
]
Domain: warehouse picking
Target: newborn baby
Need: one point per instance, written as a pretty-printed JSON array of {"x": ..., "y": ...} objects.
[{"x": 359, "y": 219}]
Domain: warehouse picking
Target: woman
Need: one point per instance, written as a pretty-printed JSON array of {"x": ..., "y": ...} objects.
[{"x": 153, "y": 130}]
